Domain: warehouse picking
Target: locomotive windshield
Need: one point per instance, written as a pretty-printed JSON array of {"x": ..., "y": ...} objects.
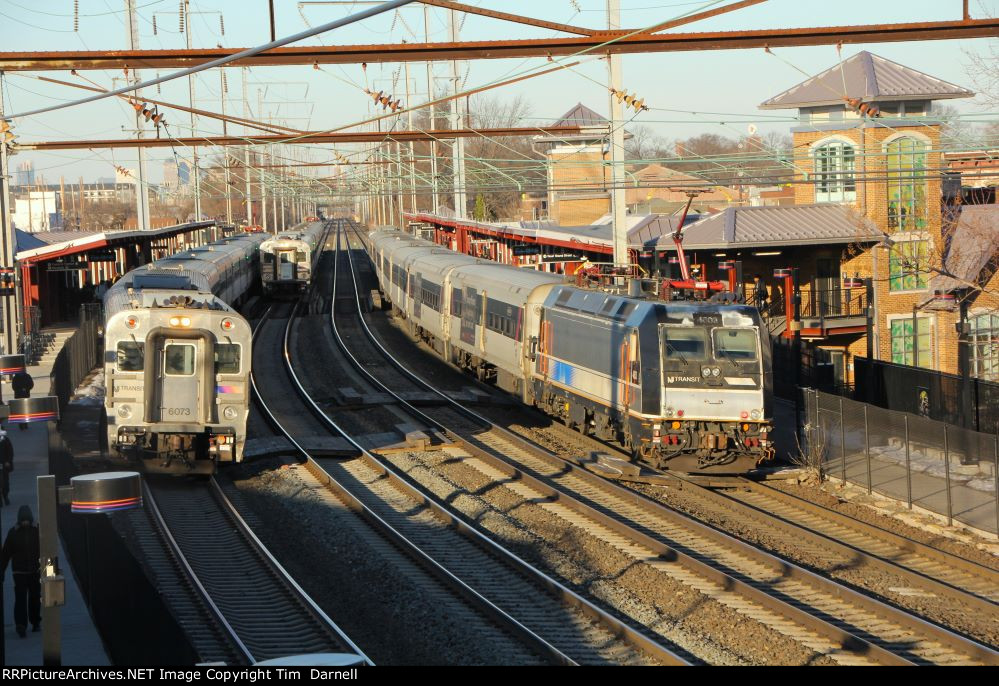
[
  {"x": 738, "y": 345},
  {"x": 227, "y": 358},
  {"x": 685, "y": 345},
  {"x": 130, "y": 356}
]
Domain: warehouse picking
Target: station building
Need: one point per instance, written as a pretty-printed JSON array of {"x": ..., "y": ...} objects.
[
  {"x": 874, "y": 198},
  {"x": 60, "y": 270}
]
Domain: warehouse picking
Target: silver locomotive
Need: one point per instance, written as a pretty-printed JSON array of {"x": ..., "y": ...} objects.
[
  {"x": 177, "y": 359},
  {"x": 682, "y": 385}
]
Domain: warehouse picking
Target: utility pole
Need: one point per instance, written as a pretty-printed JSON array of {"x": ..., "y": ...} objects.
[
  {"x": 430, "y": 97},
  {"x": 141, "y": 189},
  {"x": 619, "y": 198},
  {"x": 186, "y": 18},
  {"x": 246, "y": 155},
  {"x": 457, "y": 117},
  {"x": 11, "y": 299},
  {"x": 223, "y": 87}
]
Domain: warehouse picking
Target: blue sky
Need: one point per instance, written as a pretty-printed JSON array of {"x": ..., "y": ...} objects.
[{"x": 731, "y": 82}]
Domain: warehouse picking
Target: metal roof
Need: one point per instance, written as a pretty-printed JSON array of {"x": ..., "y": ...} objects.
[
  {"x": 69, "y": 242},
  {"x": 738, "y": 227},
  {"x": 869, "y": 77},
  {"x": 583, "y": 117}
]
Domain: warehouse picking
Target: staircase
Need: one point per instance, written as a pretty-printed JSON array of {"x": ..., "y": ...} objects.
[{"x": 50, "y": 342}]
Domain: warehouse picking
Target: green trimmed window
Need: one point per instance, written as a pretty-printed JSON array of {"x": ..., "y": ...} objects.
[
  {"x": 907, "y": 265},
  {"x": 907, "y": 196},
  {"x": 834, "y": 173},
  {"x": 907, "y": 341}
]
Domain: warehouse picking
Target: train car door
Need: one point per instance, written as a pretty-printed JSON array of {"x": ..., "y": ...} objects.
[
  {"x": 286, "y": 265},
  {"x": 180, "y": 380}
]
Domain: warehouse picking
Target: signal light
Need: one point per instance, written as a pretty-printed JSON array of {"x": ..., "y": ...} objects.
[
  {"x": 228, "y": 325},
  {"x": 131, "y": 321}
]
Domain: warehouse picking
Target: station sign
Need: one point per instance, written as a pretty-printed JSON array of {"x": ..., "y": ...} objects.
[
  {"x": 561, "y": 256},
  {"x": 524, "y": 250},
  {"x": 63, "y": 265},
  {"x": 102, "y": 256}
]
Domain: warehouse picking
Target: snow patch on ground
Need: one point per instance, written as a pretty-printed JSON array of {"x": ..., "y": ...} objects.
[{"x": 91, "y": 392}]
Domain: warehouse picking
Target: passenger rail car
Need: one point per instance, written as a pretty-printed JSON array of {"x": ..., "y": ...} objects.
[
  {"x": 288, "y": 260},
  {"x": 682, "y": 385},
  {"x": 177, "y": 359}
]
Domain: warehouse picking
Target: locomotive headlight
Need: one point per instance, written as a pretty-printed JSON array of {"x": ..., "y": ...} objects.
[
  {"x": 705, "y": 372},
  {"x": 125, "y": 411},
  {"x": 185, "y": 321},
  {"x": 715, "y": 371},
  {"x": 755, "y": 414},
  {"x": 669, "y": 411},
  {"x": 230, "y": 412},
  {"x": 174, "y": 321}
]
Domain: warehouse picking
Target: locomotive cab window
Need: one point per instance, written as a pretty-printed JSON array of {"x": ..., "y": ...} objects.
[
  {"x": 130, "y": 356},
  {"x": 179, "y": 359},
  {"x": 684, "y": 345},
  {"x": 738, "y": 345},
  {"x": 227, "y": 358}
]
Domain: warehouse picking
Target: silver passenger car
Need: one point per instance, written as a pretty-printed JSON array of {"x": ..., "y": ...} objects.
[
  {"x": 288, "y": 260},
  {"x": 177, "y": 359}
]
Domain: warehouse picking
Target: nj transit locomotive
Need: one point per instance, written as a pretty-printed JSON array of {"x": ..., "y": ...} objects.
[
  {"x": 682, "y": 385},
  {"x": 177, "y": 359},
  {"x": 288, "y": 260}
]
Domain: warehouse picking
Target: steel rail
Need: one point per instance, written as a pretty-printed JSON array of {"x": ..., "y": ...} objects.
[
  {"x": 564, "y": 595},
  {"x": 164, "y": 530},
  {"x": 783, "y": 567}
]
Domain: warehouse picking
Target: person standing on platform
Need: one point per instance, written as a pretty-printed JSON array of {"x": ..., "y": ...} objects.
[
  {"x": 21, "y": 549},
  {"x": 6, "y": 464},
  {"x": 22, "y": 384},
  {"x": 760, "y": 293}
]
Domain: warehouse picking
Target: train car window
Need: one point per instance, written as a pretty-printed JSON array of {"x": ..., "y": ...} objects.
[
  {"x": 626, "y": 309},
  {"x": 130, "y": 356},
  {"x": 735, "y": 344},
  {"x": 456, "y": 302},
  {"x": 563, "y": 298},
  {"x": 301, "y": 256},
  {"x": 685, "y": 344},
  {"x": 179, "y": 360},
  {"x": 227, "y": 358}
]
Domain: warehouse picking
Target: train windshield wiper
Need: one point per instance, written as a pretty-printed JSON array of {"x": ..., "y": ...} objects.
[{"x": 678, "y": 353}]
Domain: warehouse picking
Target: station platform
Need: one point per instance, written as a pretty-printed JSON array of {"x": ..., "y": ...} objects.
[{"x": 81, "y": 644}]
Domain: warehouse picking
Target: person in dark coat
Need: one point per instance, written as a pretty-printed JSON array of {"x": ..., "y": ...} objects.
[
  {"x": 760, "y": 294},
  {"x": 6, "y": 465},
  {"x": 22, "y": 384},
  {"x": 21, "y": 549}
]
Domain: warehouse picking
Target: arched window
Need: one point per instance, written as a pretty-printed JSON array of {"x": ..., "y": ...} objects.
[
  {"x": 834, "y": 166},
  {"x": 906, "y": 167}
]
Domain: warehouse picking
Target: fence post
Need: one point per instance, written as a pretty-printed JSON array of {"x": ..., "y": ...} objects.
[
  {"x": 950, "y": 509},
  {"x": 842, "y": 436},
  {"x": 867, "y": 449},
  {"x": 908, "y": 468}
]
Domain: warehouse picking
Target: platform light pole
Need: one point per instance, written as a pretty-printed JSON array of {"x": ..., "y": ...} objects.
[{"x": 457, "y": 122}]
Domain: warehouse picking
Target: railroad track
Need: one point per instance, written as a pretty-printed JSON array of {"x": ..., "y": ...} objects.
[
  {"x": 828, "y": 617},
  {"x": 255, "y": 610},
  {"x": 549, "y": 622}
]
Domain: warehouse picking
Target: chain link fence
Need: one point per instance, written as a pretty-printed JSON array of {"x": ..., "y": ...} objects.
[{"x": 937, "y": 466}]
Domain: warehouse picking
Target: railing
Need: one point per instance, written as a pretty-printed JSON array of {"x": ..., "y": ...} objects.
[
  {"x": 934, "y": 465},
  {"x": 834, "y": 302},
  {"x": 81, "y": 353},
  {"x": 31, "y": 342}
]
